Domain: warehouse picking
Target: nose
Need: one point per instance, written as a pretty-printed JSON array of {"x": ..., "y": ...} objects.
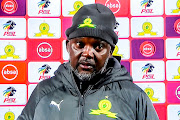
[{"x": 88, "y": 51}]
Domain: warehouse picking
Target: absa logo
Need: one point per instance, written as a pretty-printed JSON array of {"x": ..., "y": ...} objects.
[
  {"x": 178, "y": 92},
  {"x": 9, "y": 72},
  {"x": 147, "y": 49},
  {"x": 177, "y": 26},
  {"x": 44, "y": 50},
  {"x": 114, "y": 5},
  {"x": 9, "y": 6}
]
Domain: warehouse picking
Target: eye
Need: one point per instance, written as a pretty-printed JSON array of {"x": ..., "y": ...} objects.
[
  {"x": 79, "y": 44},
  {"x": 99, "y": 47}
]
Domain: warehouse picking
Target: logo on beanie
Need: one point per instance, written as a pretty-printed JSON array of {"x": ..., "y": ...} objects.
[
  {"x": 77, "y": 5},
  {"x": 87, "y": 23}
]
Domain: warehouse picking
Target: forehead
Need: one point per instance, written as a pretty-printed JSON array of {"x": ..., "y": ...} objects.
[{"x": 88, "y": 40}]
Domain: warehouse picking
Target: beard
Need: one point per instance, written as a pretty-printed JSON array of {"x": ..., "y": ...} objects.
[{"x": 89, "y": 76}]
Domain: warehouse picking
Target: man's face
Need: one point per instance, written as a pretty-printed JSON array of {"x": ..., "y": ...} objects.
[{"x": 88, "y": 55}]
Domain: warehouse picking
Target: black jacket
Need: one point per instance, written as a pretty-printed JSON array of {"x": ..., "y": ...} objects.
[{"x": 113, "y": 97}]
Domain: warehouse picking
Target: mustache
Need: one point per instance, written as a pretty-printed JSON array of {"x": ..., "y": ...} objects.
[{"x": 86, "y": 61}]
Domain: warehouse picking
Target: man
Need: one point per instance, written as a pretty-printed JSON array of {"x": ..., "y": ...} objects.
[{"x": 92, "y": 85}]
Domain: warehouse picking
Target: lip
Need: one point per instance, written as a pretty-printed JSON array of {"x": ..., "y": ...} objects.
[{"x": 86, "y": 66}]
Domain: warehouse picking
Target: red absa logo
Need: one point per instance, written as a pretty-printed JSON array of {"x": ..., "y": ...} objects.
[
  {"x": 114, "y": 5},
  {"x": 44, "y": 50},
  {"x": 9, "y": 72},
  {"x": 147, "y": 49},
  {"x": 9, "y": 6},
  {"x": 177, "y": 26}
]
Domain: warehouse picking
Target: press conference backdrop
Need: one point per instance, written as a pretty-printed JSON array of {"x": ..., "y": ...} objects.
[{"x": 32, "y": 46}]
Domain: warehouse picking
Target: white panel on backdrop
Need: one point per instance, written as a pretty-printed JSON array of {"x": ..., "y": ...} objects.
[
  {"x": 17, "y": 94},
  {"x": 123, "y": 48},
  {"x": 173, "y": 48},
  {"x": 155, "y": 91},
  {"x": 123, "y": 28},
  {"x": 31, "y": 87},
  {"x": 70, "y": 7},
  {"x": 148, "y": 71},
  {"x": 13, "y": 50},
  {"x": 44, "y": 8},
  {"x": 12, "y": 28},
  {"x": 173, "y": 112},
  {"x": 38, "y": 71},
  {"x": 44, "y": 28},
  {"x": 10, "y": 113},
  {"x": 146, "y": 7},
  {"x": 147, "y": 27},
  {"x": 173, "y": 70},
  {"x": 172, "y": 7}
]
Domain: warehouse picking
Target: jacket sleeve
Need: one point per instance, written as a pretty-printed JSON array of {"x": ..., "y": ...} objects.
[
  {"x": 145, "y": 109},
  {"x": 29, "y": 109}
]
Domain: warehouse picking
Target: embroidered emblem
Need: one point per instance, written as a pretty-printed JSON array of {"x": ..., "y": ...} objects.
[
  {"x": 87, "y": 23},
  {"x": 104, "y": 108},
  {"x": 57, "y": 105}
]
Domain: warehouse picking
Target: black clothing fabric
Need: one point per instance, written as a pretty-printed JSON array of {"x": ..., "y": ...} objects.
[{"x": 110, "y": 96}]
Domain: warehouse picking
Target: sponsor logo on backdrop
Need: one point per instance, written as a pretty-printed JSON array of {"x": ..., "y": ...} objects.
[
  {"x": 44, "y": 30},
  {"x": 9, "y": 6},
  {"x": 114, "y": 5},
  {"x": 9, "y": 92},
  {"x": 9, "y": 72},
  {"x": 150, "y": 92},
  {"x": 178, "y": 92},
  {"x": 9, "y": 50},
  {"x": 115, "y": 52},
  {"x": 77, "y": 5},
  {"x": 44, "y": 50},
  {"x": 178, "y": 113},
  {"x": 147, "y": 69},
  {"x": 178, "y": 49},
  {"x": 177, "y": 76},
  {"x": 178, "y": 7},
  {"x": 9, "y": 116},
  {"x": 45, "y": 69},
  {"x": 177, "y": 26},
  {"x": 147, "y": 29},
  {"x": 44, "y": 4},
  {"x": 146, "y": 4},
  {"x": 147, "y": 49},
  {"x": 8, "y": 27}
]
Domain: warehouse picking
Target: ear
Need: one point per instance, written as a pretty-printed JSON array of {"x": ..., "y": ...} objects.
[{"x": 67, "y": 45}]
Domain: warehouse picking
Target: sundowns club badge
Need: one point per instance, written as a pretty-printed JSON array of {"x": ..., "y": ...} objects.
[
  {"x": 9, "y": 50},
  {"x": 77, "y": 5},
  {"x": 9, "y": 116},
  {"x": 87, "y": 23},
  {"x": 178, "y": 7},
  {"x": 104, "y": 108},
  {"x": 147, "y": 29}
]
